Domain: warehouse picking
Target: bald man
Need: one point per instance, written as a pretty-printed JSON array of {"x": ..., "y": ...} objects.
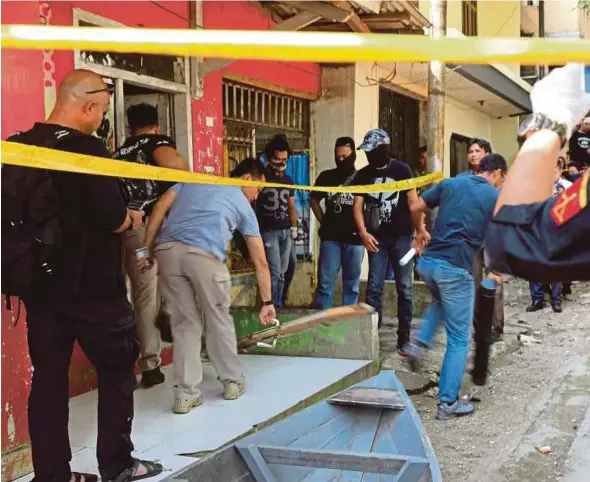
[{"x": 85, "y": 301}]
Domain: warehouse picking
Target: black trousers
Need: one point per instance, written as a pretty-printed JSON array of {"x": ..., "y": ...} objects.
[
  {"x": 478, "y": 275},
  {"x": 105, "y": 330}
]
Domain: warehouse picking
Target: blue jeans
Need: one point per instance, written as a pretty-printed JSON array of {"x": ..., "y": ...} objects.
[
  {"x": 290, "y": 273},
  {"x": 403, "y": 282},
  {"x": 333, "y": 256},
  {"x": 277, "y": 245},
  {"x": 538, "y": 294},
  {"x": 453, "y": 292}
]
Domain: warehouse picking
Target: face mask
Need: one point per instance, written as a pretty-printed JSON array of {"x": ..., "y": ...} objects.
[
  {"x": 346, "y": 164},
  {"x": 278, "y": 167},
  {"x": 377, "y": 159}
]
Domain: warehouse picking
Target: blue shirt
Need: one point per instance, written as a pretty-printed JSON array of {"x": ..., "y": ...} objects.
[
  {"x": 466, "y": 204},
  {"x": 206, "y": 216}
]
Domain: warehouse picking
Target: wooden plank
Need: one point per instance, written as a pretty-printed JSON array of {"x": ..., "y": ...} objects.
[
  {"x": 357, "y": 25},
  {"x": 306, "y": 323},
  {"x": 256, "y": 463},
  {"x": 337, "y": 459},
  {"x": 326, "y": 10},
  {"x": 296, "y": 22}
]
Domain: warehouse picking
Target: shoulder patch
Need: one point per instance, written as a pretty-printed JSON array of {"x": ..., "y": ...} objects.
[{"x": 571, "y": 201}]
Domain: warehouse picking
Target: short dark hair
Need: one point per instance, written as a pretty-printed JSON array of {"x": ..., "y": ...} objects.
[
  {"x": 422, "y": 149},
  {"x": 142, "y": 115},
  {"x": 277, "y": 143},
  {"x": 251, "y": 166},
  {"x": 485, "y": 145},
  {"x": 345, "y": 142},
  {"x": 493, "y": 162}
]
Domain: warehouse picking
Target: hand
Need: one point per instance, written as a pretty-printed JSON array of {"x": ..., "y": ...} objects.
[
  {"x": 561, "y": 97},
  {"x": 267, "y": 314},
  {"x": 421, "y": 240},
  {"x": 294, "y": 233},
  {"x": 136, "y": 218},
  {"x": 497, "y": 277},
  {"x": 370, "y": 242}
]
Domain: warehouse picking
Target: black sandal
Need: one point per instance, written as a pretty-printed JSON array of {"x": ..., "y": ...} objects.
[{"x": 152, "y": 468}]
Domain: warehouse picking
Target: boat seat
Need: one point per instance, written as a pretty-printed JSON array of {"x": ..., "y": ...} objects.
[{"x": 257, "y": 458}]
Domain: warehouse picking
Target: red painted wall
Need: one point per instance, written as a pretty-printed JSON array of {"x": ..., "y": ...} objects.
[
  {"x": 22, "y": 105},
  {"x": 303, "y": 76}
]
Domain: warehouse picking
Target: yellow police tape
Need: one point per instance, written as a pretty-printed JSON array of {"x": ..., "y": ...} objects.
[
  {"x": 298, "y": 46},
  {"x": 43, "y": 158}
]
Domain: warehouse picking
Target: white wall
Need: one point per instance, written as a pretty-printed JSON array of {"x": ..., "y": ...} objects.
[{"x": 334, "y": 113}]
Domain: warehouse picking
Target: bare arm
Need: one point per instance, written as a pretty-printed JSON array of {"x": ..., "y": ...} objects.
[
  {"x": 530, "y": 179},
  {"x": 292, "y": 212},
  {"x": 415, "y": 204},
  {"x": 159, "y": 212},
  {"x": 166, "y": 156},
  {"x": 317, "y": 209},
  {"x": 258, "y": 257},
  {"x": 368, "y": 239},
  {"x": 357, "y": 213}
]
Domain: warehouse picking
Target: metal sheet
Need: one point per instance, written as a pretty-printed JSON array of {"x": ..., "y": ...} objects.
[{"x": 369, "y": 397}]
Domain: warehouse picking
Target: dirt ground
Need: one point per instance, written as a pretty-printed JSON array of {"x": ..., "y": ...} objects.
[{"x": 537, "y": 395}]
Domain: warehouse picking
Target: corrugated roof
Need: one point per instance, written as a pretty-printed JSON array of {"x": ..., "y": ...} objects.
[{"x": 393, "y": 16}]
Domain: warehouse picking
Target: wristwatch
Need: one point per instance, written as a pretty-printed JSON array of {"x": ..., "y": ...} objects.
[
  {"x": 536, "y": 122},
  {"x": 267, "y": 303}
]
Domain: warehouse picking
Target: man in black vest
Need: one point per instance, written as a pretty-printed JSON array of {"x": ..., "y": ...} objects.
[{"x": 146, "y": 146}]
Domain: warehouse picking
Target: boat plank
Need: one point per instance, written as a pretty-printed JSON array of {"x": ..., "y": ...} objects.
[{"x": 337, "y": 459}]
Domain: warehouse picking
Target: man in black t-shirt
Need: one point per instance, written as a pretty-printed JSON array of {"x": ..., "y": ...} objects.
[
  {"x": 579, "y": 144},
  {"x": 86, "y": 301},
  {"x": 391, "y": 236},
  {"x": 341, "y": 245},
  {"x": 146, "y": 146},
  {"x": 277, "y": 214}
]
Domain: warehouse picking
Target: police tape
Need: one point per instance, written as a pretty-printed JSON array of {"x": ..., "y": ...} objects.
[
  {"x": 298, "y": 46},
  {"x": 43, "y": 158}
]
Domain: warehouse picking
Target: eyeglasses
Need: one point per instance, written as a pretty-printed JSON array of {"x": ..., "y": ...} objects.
[{"x": 106, "y": 89}]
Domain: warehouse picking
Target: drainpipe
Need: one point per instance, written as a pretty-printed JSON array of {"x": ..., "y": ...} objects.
[
  {"x": 541, "y": 32},
  {"x": 436, "y": 96},
  {"x": 436, "y": 90}
]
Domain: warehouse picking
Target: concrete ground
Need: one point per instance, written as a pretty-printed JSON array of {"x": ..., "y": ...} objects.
[{"x": 538, "y": 396}]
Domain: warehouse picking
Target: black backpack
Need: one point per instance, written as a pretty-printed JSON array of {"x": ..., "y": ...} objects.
[{"x": 31, "y": 234}]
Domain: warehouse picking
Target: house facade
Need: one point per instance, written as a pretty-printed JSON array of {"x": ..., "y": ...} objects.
[{"x": 219, "y": 112}]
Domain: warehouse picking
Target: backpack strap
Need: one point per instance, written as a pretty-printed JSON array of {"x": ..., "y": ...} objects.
[{"x": 346, "y": 182}]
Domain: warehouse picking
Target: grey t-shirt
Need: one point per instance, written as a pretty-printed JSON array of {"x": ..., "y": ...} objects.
[{"x": 206, "y": 216}]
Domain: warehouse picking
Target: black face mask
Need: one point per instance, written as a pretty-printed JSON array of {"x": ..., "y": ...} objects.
[
  {"x": 377, "y": 158},
  {"x": 346, "y": 164}
]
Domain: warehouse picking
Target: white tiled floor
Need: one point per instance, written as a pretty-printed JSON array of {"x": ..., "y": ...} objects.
[{"x": 273, "y": 385}]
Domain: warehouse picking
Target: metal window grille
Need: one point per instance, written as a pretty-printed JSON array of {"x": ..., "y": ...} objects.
[
  {"x": 470, "y": 18},
  {"x": 258, "y": 107}
]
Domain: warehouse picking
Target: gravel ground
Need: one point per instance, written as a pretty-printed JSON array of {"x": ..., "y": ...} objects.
[{"x": 536, "y": 396}]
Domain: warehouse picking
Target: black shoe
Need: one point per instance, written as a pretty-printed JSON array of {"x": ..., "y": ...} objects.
[
  {"x": 149, "y": 378},
  {"x": 497, "y": 336},
  {"x": 539, "y": 305},
  {"x": 557, "y": 307}
]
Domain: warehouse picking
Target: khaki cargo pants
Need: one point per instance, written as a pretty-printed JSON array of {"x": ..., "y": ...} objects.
[
  {"x": 197, "y": 290},
  {"x": 146, "y": 300}
]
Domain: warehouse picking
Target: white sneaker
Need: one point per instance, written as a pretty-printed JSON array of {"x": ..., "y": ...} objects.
[
  {"x": 232, "y": 389},
  {"x": 184, "y": 402}
]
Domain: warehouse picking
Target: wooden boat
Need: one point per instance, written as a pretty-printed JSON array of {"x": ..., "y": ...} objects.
[{"x": 369, "y": 432}]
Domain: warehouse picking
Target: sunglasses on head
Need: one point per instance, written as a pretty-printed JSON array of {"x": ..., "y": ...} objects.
[{"x": 108, "y": 89}]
